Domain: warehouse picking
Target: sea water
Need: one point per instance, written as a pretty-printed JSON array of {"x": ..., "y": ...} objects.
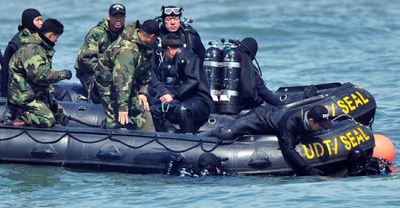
[{"x": 300, "y": 43}]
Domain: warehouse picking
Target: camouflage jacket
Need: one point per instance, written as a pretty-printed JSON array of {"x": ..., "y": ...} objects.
[
  {"x": 96, "y": 42},
  {"x": 31, "y": 74},
  {"x": 124, "y": 70}
]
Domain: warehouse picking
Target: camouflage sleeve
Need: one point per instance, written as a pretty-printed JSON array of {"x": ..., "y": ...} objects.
[
  {"x": 103, "y": 75},
  {"x": 144, "y": 80},
  {"x": 123, "y": 73},
  {"x": 88, "y": 53},
  {"x": 38, "y": 66}
]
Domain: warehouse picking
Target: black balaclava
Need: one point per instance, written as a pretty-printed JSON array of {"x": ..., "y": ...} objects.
[
  {"x": 251, "y": 44},
  {"x": 27, "y": 18}
]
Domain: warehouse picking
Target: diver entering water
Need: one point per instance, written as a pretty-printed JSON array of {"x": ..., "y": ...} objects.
[
  {"x": 359, "y": 164},
  {"x": 207, "y": 164}
]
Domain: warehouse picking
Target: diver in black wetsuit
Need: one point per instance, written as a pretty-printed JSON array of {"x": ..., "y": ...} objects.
[
  {"x": 31, "y": 23},
  {"x": 253, "y": 91},
  {"x": 171, "y": 23},
  {"x": 288, "y": 126},
  {"x": 184, "y": 87}
]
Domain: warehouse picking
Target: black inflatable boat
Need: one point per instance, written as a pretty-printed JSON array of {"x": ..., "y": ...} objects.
[
  {"x": 83, "y": 144},
  {"x": 171, "y": 153}
]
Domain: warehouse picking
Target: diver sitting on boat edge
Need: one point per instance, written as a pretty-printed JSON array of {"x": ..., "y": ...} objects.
[{"x": 186, "y": 95}]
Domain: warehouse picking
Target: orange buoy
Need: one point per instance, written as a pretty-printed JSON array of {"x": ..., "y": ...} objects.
[{"x": 384, "y": 148}]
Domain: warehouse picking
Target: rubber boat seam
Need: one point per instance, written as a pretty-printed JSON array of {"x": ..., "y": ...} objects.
[
  {"x": 55, "y": 141},
  {"x": 12, "y": 137}
]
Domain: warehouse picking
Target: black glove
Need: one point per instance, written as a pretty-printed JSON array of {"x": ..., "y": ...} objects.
[
  {"x": 68, "y": 74},
  {"x": 53, "y": 103},
  {"x": 315, "y": 171}
]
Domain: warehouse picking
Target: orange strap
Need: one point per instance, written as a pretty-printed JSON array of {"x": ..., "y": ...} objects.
[{"x": 16, "y": 123}]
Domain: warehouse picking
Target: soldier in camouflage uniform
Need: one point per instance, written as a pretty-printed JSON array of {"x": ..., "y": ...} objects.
[
  {"x": 96, "y": 42},
  {"x": 31, "y": 78},
  {"x": 123, "y": 76},
  {"x": 31, "y": 22}
]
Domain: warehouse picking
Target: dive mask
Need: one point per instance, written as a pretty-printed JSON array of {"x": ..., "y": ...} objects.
[{"x": 172, "y": 10}]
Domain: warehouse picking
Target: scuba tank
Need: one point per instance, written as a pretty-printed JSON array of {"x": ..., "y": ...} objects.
[
  {"x": 230, "y": 75},
  {"x": 213, "y": 67}
]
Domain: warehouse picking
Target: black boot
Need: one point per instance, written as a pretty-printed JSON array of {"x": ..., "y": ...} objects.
[
  {"x": 211, "y": 133},
  {"x": 9, "y": 114},
  {"x": 185, "y": 120}
]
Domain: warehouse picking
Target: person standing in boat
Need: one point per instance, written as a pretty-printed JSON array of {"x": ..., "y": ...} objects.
[
  {"x": 252, "y": 89},
  {"x": 187, "y": 99},
  {"x": 96, "y": 42},
  {"x": 123, "y": 76},
  {"x": 31, "y": 23},
  {"x": 288, "y": 126},
  {"x": 31, "y": 77}
]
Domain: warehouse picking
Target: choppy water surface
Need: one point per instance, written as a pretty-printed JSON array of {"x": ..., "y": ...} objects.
[{"x": 300, "y": 43}]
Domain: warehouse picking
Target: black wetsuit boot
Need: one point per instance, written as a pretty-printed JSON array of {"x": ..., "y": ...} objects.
[{"x": 185, "y": 119}]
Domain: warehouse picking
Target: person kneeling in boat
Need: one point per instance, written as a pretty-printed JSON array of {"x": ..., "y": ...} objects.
[
  {"x": 123, "y": 77},
  {"x": 289, "y": 126},
  {"x": 187, "y": 99},
  {"x": 31, "y": 76}
]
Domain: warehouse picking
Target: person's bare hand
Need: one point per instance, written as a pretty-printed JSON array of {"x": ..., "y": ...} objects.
[
  {"x": 143, "y": 100},
  {"x": 123, "y": 118},
  {"x": 166, "y": 98}
]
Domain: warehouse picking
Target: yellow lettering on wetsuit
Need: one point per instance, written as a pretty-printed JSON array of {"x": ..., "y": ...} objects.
[{"x": 352, "y": 102}]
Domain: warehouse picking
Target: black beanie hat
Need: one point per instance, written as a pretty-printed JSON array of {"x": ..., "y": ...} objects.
[
  {"x": 250, "y": 46},
  {"x": 27, "y": 18}
]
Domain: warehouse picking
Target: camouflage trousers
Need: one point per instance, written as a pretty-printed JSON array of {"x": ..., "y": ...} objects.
[
  {"x": 88, "y": 82},
  {"x": 142, "y": 119},
  {"x": 38, "y": 114}
]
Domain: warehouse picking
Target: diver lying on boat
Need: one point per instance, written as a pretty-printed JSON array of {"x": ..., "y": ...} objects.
[{"x": 288, "y": 126}]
